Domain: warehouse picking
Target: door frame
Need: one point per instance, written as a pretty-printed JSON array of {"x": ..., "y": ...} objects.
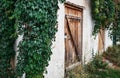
[{"x": 80, "y": 8}]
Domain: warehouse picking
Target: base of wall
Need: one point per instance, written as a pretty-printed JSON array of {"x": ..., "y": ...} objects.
[{"x": 72, "y": 66}]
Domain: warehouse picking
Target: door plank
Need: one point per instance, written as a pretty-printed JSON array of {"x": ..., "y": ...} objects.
[{"x": 73, "y": 35}]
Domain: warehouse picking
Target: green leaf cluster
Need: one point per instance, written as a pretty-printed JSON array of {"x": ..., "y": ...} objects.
[
  {"x": 103, "y": 12},
  {"x": 116, "y": 23},
  {"x": 96, "y": 64},
  {"x": 36, "y": 20},
  {"x": 106, "y": 15},
  {"x": 113, "y": 54},
  {"x": 7, "y": 38}
]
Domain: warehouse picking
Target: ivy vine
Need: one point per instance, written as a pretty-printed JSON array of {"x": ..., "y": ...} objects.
[
  {"x": 7, "y": 38},
  {"x": 106, "y": 14},
  {"x": 36, "y": 20},
  {"x": 103, "y": 12},
  {"x": 115, "y": 34}
]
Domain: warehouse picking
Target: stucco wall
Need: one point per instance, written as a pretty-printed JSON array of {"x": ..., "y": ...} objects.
[
  {"x": 108, "y": 41},
  {"x": 56, "y": 65},
  {"x": 89, "y": 45}
]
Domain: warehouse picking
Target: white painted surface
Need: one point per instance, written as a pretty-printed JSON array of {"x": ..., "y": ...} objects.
[
  {"x": 56, "y": 65},
  {"x": 108, "y": 41},
  {"x": 90, "y": 43}
]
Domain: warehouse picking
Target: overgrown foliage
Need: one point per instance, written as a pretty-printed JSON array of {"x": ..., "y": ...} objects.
[
  {"x": 77, "y": 72},
  {"x": 7, "y": 38},
  {"x": 106, "y": 15},
  {"x": 95, "y": 64},
  {"x": 36, "y": 20},
  {"x": 113, "y": 54},
  {"x": 98, "y": 68},
  {"x": 115, "y": 34},
  {"x": 103, "y": 12},
  {"x": 106, "y": 73}
]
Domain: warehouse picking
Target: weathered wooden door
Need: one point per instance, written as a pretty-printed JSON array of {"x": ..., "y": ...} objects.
[
  {"x": 73, "y": 34},
  {"x": 101, "y": 40}
]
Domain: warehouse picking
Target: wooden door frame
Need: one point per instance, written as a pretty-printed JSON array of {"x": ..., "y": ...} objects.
[{"x": 79, "y": 8}]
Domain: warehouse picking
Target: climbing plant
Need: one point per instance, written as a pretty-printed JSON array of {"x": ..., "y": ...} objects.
[
  {"x": 7, "y": 38},
  {"x": 103, "y": 12},
  {"x": 106, "y": 14},
  {"x": 115, "y": 34},
  {"x": 36, "y": 20}
]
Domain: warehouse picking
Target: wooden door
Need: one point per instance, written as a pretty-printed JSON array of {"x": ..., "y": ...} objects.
[
  {"x": 101, "y": 40},
  {"x": 73, "y": 34}
]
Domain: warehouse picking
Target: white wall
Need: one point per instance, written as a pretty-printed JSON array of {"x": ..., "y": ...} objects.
[
  {"x": 108, "y": 41},
  {"x": 56, "y": 65},
  {"x": 90, "y": 44}
]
